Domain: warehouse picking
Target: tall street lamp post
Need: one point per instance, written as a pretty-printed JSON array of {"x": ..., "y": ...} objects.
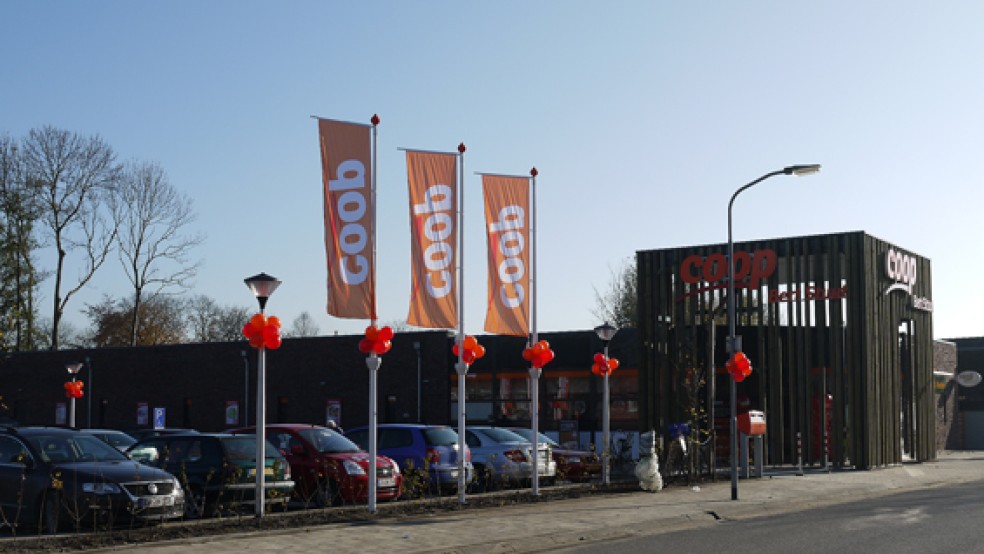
[
  {"x": 734, "y": 342},
  {"x": 73, "y": 370},
  {"x": 262, "y": 286},
  {"x": 606, "y": 333}
]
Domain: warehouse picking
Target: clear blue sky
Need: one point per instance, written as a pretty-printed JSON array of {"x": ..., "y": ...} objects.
[{"x": 642, "y": 117}]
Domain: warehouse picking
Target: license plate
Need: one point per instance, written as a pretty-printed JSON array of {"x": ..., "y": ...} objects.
[
  {"x": 454, "y": 473},
  {"x": 386, "y": 482},
  {"x": 158, "y": 501},
  {"x": 266, "y": 471}
]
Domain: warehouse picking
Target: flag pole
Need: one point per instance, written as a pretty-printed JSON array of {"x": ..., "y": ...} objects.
[
  {"x": 373, "y": 361},
  {"x": 461, "y": 367},
  {"x": 534, "y": 371}
]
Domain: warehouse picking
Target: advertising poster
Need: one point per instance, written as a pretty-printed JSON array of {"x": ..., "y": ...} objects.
[
  {"x": 232, "y": 412},
  {"x": 333, "y": 412},
  {"x": 143, "y": 414}
]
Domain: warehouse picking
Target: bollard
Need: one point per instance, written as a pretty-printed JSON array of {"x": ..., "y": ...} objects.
[{"x": 799, "y": 453}]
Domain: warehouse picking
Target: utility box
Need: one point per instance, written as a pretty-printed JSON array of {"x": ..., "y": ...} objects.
[{"x": 752, "y": 423}]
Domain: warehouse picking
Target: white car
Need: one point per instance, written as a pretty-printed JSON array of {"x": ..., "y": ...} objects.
[{"x": 502, "y": 458}]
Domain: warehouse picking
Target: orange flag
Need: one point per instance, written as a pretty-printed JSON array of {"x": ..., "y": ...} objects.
[
  {"x": 507, "y": 225},
  {"x": 433, "y": 237},
  {"x": 347, "y": 181}
]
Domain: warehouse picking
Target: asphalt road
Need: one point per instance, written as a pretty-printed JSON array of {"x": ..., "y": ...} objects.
[{"x": 944, "y": 519}]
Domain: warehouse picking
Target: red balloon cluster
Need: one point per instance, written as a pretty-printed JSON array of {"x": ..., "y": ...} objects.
[
  {"x": 73, "y": 389},
  {"x": 377, "y": 340},
  {"x": 263, "y": 331},
  {"x": 539, "y": 354},
  {"x": 603, "y": 365},
  {"x": 739, "y": 366},
  {"x": 473, "y": 350}
]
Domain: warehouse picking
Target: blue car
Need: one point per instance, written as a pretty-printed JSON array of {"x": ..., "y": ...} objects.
[{"x": 418, "y": 447}]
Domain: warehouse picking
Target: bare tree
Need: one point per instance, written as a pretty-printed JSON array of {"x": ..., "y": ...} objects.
[
  {"x": 619, "y": 304},
  {"x": 74, "y": 177},
  {"x": 209, "y": 322},
  {"x": 151, "y": 215},
  {"x": 303, "y": 326}
]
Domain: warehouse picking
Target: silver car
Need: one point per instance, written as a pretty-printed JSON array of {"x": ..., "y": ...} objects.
[{"x": 503, "y": 458}]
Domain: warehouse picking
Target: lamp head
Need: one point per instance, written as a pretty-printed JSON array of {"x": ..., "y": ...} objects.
[
  {"x": 606, "y": 332},
  {"x": 73, "y": 369},
  {"x": 801, "y": 170},
  {"x": 262, "y": 286}
]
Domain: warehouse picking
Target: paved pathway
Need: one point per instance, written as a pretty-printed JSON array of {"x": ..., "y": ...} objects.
[{"x": 557, "y": 524}]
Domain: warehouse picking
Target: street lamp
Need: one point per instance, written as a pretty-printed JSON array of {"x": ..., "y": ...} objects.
[
  {"x": 262, "y": 286},
  {"x": 734, "y": 342},
  {"x": 606, "y": 333},
  {"x": 73, "y": 370}
]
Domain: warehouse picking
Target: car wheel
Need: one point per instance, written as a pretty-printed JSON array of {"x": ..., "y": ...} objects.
[
  {"x": 483, "y": 478},
  {"x": 195, "y": 503},
  {"x": 328, "y": 494},
  {"x": 49, "y": 518}
]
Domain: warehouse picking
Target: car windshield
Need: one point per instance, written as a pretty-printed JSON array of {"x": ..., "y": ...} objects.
[
  {"x": 528, "y": 435},
  {"x": 502, "y": 435},
  {"x": 119, "y": 440},
  {"x": 243, "y": 447},
  {"x": 440, "y": 436},
  {"x": 328, "y": 441},
  {"x": 60, "y": 448}
]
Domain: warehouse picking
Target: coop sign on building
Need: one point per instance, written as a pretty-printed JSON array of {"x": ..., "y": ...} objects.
[{"x": 903, "y": 271}]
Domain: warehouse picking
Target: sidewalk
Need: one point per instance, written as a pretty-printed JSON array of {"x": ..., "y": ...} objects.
[{"x": 557, "y": 524}]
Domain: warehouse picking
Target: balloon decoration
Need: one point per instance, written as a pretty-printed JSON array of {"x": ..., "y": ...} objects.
[
  {"x": 378, "y": 341},
  {"x": 263, "y": 331},
  {"x": 473, "y": 350},
  {"x": 539, "y": 354},
  {"x": 739, "y": 366},
  {"x": 603, "y": 365},
  {"x": 73, "y": 389}
]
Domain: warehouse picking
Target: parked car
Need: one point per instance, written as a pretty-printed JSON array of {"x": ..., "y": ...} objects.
[
  {"x": 53, "y": 478},
  {"x": 141, "y": 434},
  {"x": 217, "y": 470},
  {"x": 118, "y": 439},
  {"x": 428, "y": 449},
  {"x": 328, "y": 468},
  {"x": 572, "y": 464},
  {"x": 503, "y": 458}
]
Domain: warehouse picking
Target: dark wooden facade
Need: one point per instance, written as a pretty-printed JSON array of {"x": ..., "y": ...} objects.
[{"x": 845, "y": 315}]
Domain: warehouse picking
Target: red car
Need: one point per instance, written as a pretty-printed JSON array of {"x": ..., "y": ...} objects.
[
  {"x": 329, "y": 469},
  {"x": 572, "y": 465}
]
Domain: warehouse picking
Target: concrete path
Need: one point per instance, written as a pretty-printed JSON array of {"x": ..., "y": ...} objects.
[{"x": 554, "y": 525}]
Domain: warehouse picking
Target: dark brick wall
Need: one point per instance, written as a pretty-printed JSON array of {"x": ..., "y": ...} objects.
[{"x": 194, "y": 381}]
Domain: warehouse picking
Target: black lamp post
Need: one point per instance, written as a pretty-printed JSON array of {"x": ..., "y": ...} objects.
[
  {"x": 606, "y": 333},
  {"x": 262, "y": 286},
  {"x": 734, "y": 342}
]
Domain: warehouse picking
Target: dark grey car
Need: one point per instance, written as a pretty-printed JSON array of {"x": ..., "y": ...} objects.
[{"x": 53, "y": 478}]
